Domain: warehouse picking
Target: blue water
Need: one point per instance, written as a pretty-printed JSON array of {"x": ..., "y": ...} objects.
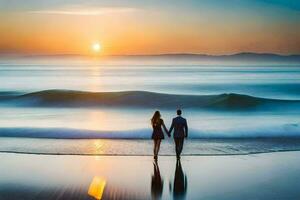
[
  {"x": 67, "y": 98},
  {"x": 261, "y": 80}
]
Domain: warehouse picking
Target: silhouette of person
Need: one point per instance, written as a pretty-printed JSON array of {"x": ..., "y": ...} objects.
[
  {"x": 157, "y": 134},
  {"x": 180, "y": 127},
  {"x": 157, "y": 183},
  {"x": 180, "y": 182}
]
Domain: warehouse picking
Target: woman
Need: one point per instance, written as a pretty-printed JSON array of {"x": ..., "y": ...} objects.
[{"x": 157, "y": 135}]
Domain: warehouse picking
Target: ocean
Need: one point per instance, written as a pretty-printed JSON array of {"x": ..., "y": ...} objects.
[{"x": 76, "y": 105}]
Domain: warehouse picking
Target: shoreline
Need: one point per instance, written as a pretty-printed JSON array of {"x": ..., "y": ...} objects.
[
  {"x": 146, "y": 155},
  {"x": 119, "y": 147}
]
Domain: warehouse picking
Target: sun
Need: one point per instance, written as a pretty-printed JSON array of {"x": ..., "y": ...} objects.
[{"x": 96, "y": 47}]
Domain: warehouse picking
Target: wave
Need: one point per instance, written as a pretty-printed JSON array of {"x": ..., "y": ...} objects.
[
  {"x": 143, "y": 99},
  {"x": 275, "y": 131},
  {"x": 68, "y": 133}
]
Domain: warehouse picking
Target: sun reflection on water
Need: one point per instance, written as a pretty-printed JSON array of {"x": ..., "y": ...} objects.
[
  {"x": 99, "y": 146},
  {"x": 97, "y": 120},
  {"x": 101, "y": 119}
]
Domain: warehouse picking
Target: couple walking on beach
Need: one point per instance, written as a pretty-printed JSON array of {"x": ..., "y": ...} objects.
[{"x": 180, "y": 127}]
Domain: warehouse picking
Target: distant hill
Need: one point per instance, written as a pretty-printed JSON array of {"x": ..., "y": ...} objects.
[
  {"x": 241, "y": 57},
  {"x": 234, "y": 57}
]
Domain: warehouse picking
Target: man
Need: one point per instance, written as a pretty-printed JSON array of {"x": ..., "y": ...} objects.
[{"x": 180, "y": 127}]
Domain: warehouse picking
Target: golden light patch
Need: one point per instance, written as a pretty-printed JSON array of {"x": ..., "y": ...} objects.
[{"x": 97, "y": 187}]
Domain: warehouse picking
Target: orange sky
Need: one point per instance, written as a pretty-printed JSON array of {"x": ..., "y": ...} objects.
[{"x": 72, "y": 29}]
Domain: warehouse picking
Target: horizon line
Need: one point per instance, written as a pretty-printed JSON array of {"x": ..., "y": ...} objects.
[{"x": 144, "y": 55}]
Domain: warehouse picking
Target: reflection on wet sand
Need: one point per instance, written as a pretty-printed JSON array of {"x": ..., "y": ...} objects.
[
  {"x": 99, "y": 189},
  {"x": 41, "y": 177},
  {"x": 90, "y": 178},
  {"x": 180, "y": 182},
  {"x": 157, "y": 182},
  {"x": 96, "y": 188},
  {"x": 178, "y": 188}
]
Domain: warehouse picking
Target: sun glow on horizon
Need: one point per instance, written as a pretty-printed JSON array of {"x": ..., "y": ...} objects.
[{"x": 96, "y": 47}]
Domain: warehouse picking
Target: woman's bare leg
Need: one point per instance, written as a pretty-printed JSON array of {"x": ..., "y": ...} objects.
[
  {"x": 154, "y": 147},
  {"x": 157, "y": 146}
]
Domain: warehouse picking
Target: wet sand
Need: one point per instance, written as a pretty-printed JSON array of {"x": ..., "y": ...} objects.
[{"x": 257, "y": 176}]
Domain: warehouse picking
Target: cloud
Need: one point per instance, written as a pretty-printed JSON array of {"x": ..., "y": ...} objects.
[{"x": 85, "y": 11}]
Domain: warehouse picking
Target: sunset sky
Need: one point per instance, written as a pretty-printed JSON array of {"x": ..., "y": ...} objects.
[{"x": 149, "y": 27}]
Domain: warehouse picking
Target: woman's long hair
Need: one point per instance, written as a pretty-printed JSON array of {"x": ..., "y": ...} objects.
[{"x": 156, "y": 117}]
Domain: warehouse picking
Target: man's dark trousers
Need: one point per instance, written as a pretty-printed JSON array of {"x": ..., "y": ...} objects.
[{"x": 178, "y": 145}]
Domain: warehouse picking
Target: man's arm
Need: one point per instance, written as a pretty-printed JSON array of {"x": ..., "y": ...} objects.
[
  {"x": 171, "y": 128},
  {"x": 186, "y": 129}
]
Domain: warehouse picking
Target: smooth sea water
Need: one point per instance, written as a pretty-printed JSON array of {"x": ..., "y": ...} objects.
[{"x": 66, "y": 98}]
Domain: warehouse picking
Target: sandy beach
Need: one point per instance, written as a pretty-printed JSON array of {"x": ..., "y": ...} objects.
[{"x": 257, "y": 176}]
